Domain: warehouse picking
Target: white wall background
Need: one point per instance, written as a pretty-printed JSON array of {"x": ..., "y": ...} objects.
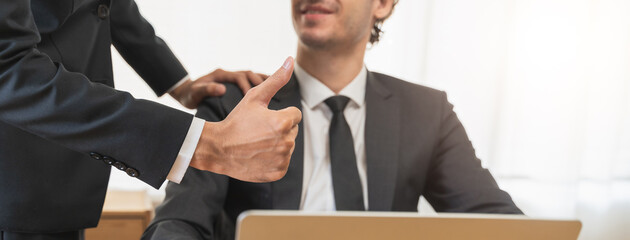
[{"x": 542, "y": 86}]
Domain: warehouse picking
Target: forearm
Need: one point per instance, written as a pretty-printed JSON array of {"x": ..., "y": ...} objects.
[
  {"x": 43, "y": 98},
  {"x": 136, "y": 41}
]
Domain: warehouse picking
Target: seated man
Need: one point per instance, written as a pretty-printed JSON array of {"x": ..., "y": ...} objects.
[{"x": 368, "y": 141}]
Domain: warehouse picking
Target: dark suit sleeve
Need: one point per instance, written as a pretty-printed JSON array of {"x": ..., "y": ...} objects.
[
  {"x": 43, "y": 98},
  {"x": 193, "y": 209},
  {"x": 457, "y": 181},
  {"x": 135, "y": 40}
]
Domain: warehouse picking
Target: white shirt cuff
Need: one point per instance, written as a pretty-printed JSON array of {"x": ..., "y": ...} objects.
[
  {"x": 186, "y": 152},
  {"x": 186, "y": 78}
]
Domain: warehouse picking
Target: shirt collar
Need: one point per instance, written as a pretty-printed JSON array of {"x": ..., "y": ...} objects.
[{"x": 315, "y": 92}]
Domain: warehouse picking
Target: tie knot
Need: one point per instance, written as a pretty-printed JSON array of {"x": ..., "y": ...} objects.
[{"x": 337, "y": 103}]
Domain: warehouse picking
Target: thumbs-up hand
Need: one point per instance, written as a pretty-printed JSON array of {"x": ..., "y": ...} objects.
[{"x": 253, "y": 143}]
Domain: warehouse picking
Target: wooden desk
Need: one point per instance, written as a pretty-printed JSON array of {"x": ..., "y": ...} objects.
[{"x": 125, "y": 216}]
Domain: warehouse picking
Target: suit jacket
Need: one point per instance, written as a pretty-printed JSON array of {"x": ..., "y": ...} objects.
[
  {"x": 62, "y": 124},
  {"x": 415, "y": 145}
]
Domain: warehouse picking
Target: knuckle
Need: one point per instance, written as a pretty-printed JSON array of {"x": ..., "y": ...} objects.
[
  {"x": 284, "y": 164},
  {"x": 282, "y": 148},
  {"x": 285, "y": 147},
  {"x": 295, "y": 111},
  {"x": 252, "y": 91},
  {"x": 294, "y": 132},
  {"x": 290, "y": 143},
  {"x": 277, "y": 123},
  {"x": 197, "y": 84},
  {"x": 277, "y": 175},
  {"x": 286, "y": 124},
  {"x": 211, "y": 86}
]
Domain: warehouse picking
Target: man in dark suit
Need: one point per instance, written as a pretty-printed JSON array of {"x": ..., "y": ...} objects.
[
  {"x": 62, "y": 125},
  {"x": 368, "y": 141}
]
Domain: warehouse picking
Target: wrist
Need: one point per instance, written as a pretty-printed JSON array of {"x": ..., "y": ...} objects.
[
  {"x": 206, "y": 156},
  {"x": 179, "y": 93}
]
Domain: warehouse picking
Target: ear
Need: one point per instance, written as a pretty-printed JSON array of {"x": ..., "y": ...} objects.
[{"x": 382, "y": 8}]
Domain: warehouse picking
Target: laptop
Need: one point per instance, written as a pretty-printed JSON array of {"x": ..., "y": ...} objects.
[{"x": 292, "y": 225}]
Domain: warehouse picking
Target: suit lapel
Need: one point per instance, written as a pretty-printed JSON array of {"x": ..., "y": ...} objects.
[
  {"x": 382, "y": 126},
  {"x": 287, "y": 192}
]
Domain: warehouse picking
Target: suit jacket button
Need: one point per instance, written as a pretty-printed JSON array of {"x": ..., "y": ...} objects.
[
  {"x": 102, "y": 11},
  {"x": 120, "y": 166},
  {"x": 132, "y": 172},
  {"x": 96, "y": 156},
  {"x": 108, "y": 160}
]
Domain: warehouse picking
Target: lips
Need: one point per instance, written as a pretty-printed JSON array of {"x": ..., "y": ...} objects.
[{"x": 316, "y": 9}]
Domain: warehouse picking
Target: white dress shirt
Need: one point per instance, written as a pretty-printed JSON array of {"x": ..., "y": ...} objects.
[
  {"x": 188, "y": 147},
  {"x": 317, "y": 187}
]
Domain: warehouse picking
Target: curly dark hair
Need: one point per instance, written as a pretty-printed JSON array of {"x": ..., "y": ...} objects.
[{"x": 376, "y": 29}]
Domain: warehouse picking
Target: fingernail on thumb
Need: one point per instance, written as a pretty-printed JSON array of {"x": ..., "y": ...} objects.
[{"x": 287, "y": 63}]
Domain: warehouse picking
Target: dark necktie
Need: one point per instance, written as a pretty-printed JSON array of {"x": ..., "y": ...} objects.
[{"x": 345, "y": 175}]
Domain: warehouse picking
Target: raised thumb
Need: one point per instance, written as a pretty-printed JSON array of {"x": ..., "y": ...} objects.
[{"x": 268, "y": 88}]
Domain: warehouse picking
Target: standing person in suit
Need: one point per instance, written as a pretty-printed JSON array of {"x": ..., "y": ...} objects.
[
  {"x": 368, "y": 141},
  {"x": 62, "y": 125}
]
